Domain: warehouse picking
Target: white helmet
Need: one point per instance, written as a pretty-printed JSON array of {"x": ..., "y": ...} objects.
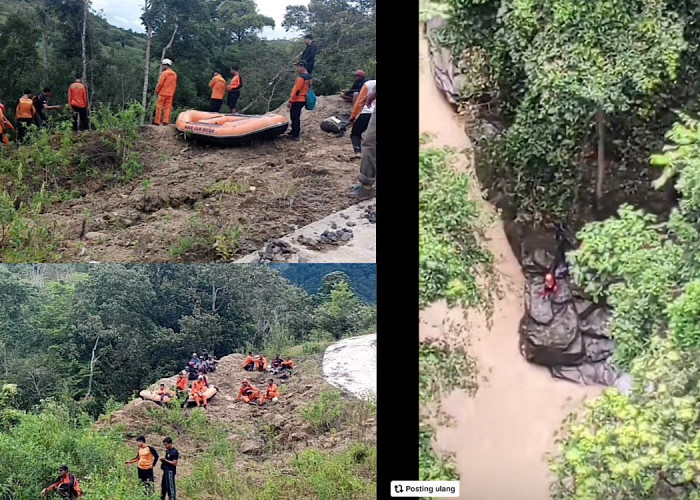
[{"x": 167, "y": 61}]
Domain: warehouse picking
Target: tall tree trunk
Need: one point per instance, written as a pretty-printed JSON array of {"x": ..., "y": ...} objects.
[
  {"x": 167, "y": 48},
  {"x": 86, "y": 9},
  {"x": 144, "y": 97},
  {"x": 600, "y": 126},
  {"x": 44, "y": 43},
  {"x": 92, "y": 368}
]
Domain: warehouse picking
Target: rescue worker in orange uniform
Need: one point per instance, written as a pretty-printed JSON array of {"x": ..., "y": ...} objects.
[
  {"x": 249, "y": 363},
  {"x": 234, "y": 89},
  {"x": 272, "y": 393},
  {"x": 147, "y": 458},
  {"x": 289, "y": 364},
  {"x": 197, "y": 392},
  {"x": 24, "y": 114},
  {"x": 5, "y": 125},
  {"x": 218, "y": 90},
  {"x": 182, "y": 383},
  {"x": 164, "y": 393},
  {"x": 261, "y": 363},
  {"x": 78, "y": 103},
  {"x": 248, "y": 393},
  {"x": 165, "y": 92},
  {"x": 297, "y": 101},
  {"x": 67, "y": 485}
]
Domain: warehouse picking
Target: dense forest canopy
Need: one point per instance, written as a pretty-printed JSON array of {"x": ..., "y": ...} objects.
[
  {"x": 311, "y": 277},
  {"x": 40, "y": 44},
  {"x": 96, "y": 332}
]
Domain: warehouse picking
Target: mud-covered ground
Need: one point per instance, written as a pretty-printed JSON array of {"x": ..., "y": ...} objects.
[{"x": 189, "y": 193}]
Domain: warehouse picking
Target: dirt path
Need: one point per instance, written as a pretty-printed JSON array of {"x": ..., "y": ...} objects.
[
  {"x": 188, "y": 193},
  {"x": 501, "y": 435}
]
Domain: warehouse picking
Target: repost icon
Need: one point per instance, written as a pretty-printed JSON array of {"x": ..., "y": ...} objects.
[{"x": 442, "y": 489}]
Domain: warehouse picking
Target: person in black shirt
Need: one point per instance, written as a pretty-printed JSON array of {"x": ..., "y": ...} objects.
[
  {"x": 41, "y": 104},
  {"x": 351, "y": 94},
  {"x": 169, "y": 467},
  {"x": 308, "y": 57}
]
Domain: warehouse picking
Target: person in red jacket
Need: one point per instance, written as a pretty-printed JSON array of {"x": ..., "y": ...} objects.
[
  {"x": 167, "y": 85},
  {"x": 78, "y": 103},
  {"x": 66, "y": 485},
  {"x": 234, "y": 89},
  {"x": 301, "y": 89}
]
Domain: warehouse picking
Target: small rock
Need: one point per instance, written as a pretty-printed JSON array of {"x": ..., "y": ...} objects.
[
  {"x": 345, "y": 216},
  {"x": 93, "y": 235},
  {"x": 298, "y": 436},
  {"x": 350, "y": 223},
  {"x": 346, "y": 237},
  {"x": 334, "y": 225},
  {"x": 251, "y": 448}
]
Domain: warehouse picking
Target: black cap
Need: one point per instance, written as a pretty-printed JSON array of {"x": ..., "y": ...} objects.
[
  {"x": 309, "y": 37},
  {"x": 63, "y": 467}
]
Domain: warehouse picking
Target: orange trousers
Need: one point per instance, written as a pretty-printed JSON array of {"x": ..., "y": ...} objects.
[
  {"x": 164, "y": 108},
  {"x": 252, "y": 397},
  {"x": 199, "y": 399}
]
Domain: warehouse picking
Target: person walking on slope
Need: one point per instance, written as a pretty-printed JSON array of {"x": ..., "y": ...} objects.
[
  {"x": 165, "y": 92},
  {"x": 308, "y": 57},
  {"x": 234, "y": 89},
  {"x": 25, "y": 114},
  {"x": 41, "y": 104},
  {"x": 218, "y": 90},
  {"x": 169, "y": 467},
  {"x": 147, "y": 458},
  {"x": 368, "y": 166},
  {"x": 5, "y": 125},
  {"x": 301, "y": 89},
  {"x": 67, "y": 485},
  {"x": 361, "y": 114},
  {"x": 78, "y": 103}
]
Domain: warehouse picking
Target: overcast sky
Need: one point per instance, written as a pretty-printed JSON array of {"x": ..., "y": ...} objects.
[{"x": 126, "y": 14}]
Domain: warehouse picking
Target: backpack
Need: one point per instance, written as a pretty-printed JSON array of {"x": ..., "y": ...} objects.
[
  {"x": 335, "y": 124},
  {"x": 310, "y": 100}
]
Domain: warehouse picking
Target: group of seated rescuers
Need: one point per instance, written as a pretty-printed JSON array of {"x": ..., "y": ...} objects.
[{"x": 248, "y": 393}]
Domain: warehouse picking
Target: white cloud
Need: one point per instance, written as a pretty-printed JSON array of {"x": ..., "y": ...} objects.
[{"x": 126, "y": 14}]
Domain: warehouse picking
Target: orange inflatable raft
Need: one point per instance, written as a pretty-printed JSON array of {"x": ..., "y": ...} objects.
[
  {"x": 152, "y": 396},
  {"x": 230, "y": 128}
]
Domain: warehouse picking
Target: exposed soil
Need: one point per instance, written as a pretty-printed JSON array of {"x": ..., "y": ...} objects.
[
  {"x": 500, "y": 435},
  {"x": 270, "y": 434},
  {"x": 269, "y": 188}
]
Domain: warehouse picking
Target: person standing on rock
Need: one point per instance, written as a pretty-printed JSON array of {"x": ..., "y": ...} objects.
[
  {"x": 361, "y": 114},
  {"x": 234, "y": 89},
  {"x": 301, "y": 89},
  {"x": 78, "y": 103},
  {"x": 147, "y": 458},
  {"x": 169, "y": 467},
  {"x": 167, "y": 85},
  {"x": 368, "y": 166},
  {"x": 218, "y": 90},
  {"x": 308, "y": 57}
]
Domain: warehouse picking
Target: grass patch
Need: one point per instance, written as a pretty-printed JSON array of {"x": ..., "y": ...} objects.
[
  {"x": 205, "y": 239},
  {"x": 433, "y": 467},
  {"x": 450, "y": 223},
  {"x": 443, "y": 369},
  {"x": 325, "y": 414}
]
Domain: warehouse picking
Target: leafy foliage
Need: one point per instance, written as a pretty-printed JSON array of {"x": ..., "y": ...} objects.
[
  {"x": 643, "y": 445},
  {"x": 451, "y": 257},
  {"x": 326, "y": 413},
  {"x": 441, "y": 370}
]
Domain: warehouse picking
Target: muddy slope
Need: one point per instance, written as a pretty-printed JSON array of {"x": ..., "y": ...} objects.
[
  {"x": 500, "y": 435},
  {"x": 271, "y": 434},
  {"x": 268, "y": 188}
]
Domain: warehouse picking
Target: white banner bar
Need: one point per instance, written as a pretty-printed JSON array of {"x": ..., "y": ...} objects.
[{"x": 443, "y": 489}]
